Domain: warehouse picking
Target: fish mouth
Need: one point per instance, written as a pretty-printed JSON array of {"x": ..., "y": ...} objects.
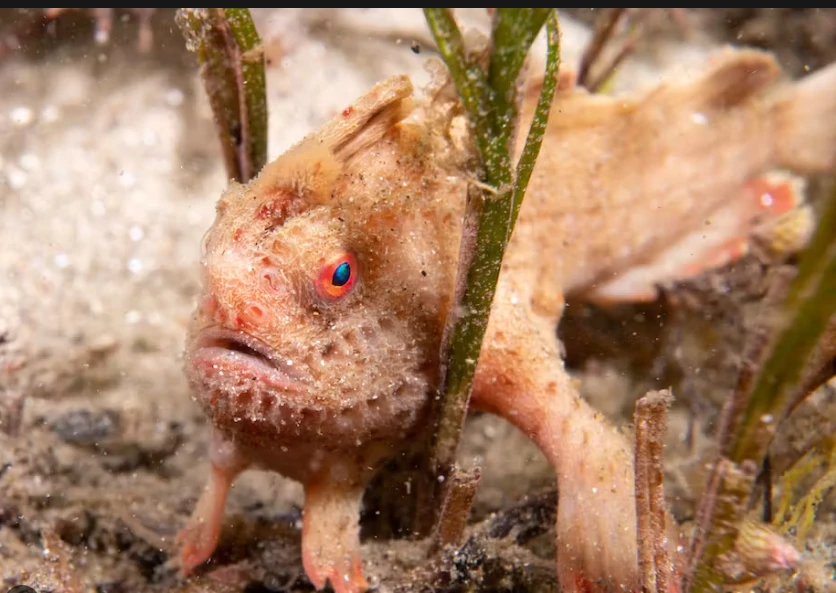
[{"x": 222, "y": 351}]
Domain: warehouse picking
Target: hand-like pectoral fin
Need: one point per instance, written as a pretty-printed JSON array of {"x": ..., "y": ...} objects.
[
  {"x": 331, "y": 536},
  {"x": 199, "y": 538}
]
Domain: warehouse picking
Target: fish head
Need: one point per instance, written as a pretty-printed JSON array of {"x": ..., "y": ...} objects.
[{"x": 325, "y": 287}]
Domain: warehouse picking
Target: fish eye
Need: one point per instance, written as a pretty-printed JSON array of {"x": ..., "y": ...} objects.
[{"x": 337, "y": 277}]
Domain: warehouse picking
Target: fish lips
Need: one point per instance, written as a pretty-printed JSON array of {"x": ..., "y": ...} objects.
[{"x": 221, "y": 357}]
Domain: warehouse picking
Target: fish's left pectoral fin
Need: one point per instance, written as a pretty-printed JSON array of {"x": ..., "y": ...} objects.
[{"x": 331, "y": 536}]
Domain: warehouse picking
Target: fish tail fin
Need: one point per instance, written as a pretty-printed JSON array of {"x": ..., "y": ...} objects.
[{"x": 805, "y": 123}]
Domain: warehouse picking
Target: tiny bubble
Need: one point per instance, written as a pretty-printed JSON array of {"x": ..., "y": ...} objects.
[
  {"x": 767, "y": 418},
  {"x": 22, "y": 116},
  {"x": 126, "y": 179},
  {"x": 149, "y": 137},
  {"x": 135, "y": 265},
  {"x": 136, "y": 233},
  {"x": 29, "y": 161},
  {"x": 699, "y": 118},
  {"x": 50, "y": 113},
  {"x": 174, "y": 97},
  {"x": 17, "y": 178},
  {"x": 98, "y": 208},
  {"x": 62, "y": 260}
]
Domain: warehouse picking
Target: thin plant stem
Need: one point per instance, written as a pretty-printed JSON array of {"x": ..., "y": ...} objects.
[
  {"x": 492, "y": 111},
  {"x": 232, "y": 67},
  {"x": 651, "y": 422},
  {"x": 603, "y": 33}
]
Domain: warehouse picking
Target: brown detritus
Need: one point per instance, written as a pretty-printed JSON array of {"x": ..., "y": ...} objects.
[
  {"x": 11, "y": 411},
  {"x": 652, "y": 532},
  {"x": 457, "y": 500},
  {"x": 526, "y": 520},
  {"x": 58, "y": 557},
  {"x": 486, "y": 559}
]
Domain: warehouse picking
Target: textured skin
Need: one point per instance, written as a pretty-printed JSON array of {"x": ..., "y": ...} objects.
[{"x": 322, "y": 388}]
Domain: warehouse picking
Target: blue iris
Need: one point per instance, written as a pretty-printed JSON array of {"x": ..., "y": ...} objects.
[{"x": 341, "y": 274}]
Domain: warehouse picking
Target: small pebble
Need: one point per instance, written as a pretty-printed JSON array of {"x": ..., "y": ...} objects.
[{"x": 86, "y": 427}]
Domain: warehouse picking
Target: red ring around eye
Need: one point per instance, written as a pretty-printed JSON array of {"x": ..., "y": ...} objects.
[{"x": 337, "y": 277}]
